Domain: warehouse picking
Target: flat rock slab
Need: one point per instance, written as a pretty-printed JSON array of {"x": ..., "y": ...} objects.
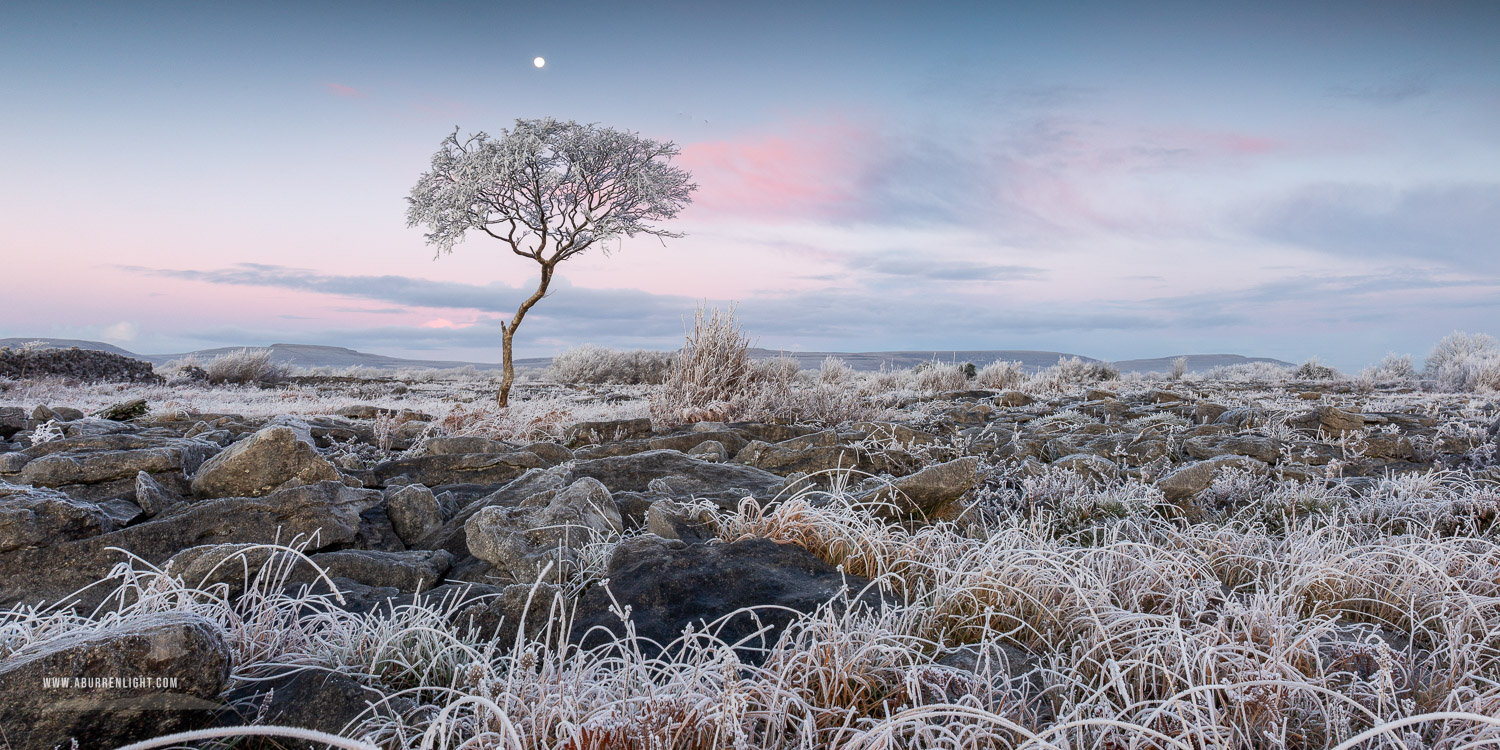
[{"x": 458, "y": 468}]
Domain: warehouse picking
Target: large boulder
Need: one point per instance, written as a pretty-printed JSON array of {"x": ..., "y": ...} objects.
[
  {"x": 260, "y": 463},
  {"x": 668, "y": 585},
  {"x": 134, "y": 680},
  {"x": 329, "y": 510},
  {"x": 32, "y": 517},
  {"x": 544, "y": 533}
]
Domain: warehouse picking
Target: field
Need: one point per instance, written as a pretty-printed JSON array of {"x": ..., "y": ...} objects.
[{"x": 1250, "y": 557}]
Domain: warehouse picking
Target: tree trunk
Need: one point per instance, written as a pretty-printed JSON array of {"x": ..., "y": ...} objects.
[{"x": 508, "y": 333}]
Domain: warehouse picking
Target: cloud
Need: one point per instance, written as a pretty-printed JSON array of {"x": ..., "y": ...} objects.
[
  {"x": 915, "y": 266},
  {"x": 1388, "y": 93},
  {"x": 339, "y": 89},
  {"x": 124, "y": 331},
  {"x": 1457, "y": 224}
]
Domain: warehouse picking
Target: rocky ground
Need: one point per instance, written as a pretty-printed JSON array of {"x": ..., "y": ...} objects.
[{"x": 971, "y": 568}]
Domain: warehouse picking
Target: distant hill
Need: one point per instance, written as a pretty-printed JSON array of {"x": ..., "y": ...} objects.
[
  {"x": 1031, "y": 361},
  {"x": 312, "y": 355},
  {"x": 68, "y": 343},
  {"x": 1195, "y": 362},
  {"x": 297, "y": 355}
]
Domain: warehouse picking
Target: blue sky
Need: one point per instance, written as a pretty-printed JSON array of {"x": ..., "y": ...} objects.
[{"x": 1267, "y": 178}]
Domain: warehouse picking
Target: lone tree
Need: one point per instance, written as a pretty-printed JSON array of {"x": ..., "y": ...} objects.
[{"x": 550, "y": 190}]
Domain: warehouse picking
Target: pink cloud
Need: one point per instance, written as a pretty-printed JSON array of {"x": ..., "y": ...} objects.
[
  {"x": 809, "y": 169},
  {"x": 339, "y": 89}
]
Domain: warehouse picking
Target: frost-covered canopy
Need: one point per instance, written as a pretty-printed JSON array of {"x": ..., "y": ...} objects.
[{"x": 549, "y": 189}]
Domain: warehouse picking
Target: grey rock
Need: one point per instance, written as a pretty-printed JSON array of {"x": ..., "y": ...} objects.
[
  {"x": 550, "y": 453},
  {"x": 1189, "y": 480},
  {"x": 152, "y": 497},
  {"x": 670, "y": 519},
  {"x": 634, "y": 474},
  {"x": 710, "y": 450},
  {"x": 307, "y": 699},
  {"x": 1090, "y": 466},
  {"x": 448, "y": 446},
  {"x": 1208, "y": 446},
  {"x": 526, "y": 540},
  {"x": 458, "y": 468},
  {"x": 179, "y": 646},
  {"x": 261, "y": 463},
  {"x": 12, "y": 421},
  {"x": 927, "y": 491},
  {"x": 501, "y": 618},
  {"x": 414, "y": 512},
  {"x": 1013, "y": 398},
  {"x": 451, "y": 535},
  {"x": 329, "y": 509},
  {"x": 13, "y": 461},
  {"x": 593, "y": 433},
  {"x": 404, "y": 571},
  {"x": 669, "y": 585},
  {"x": 32, "y": 517},
  {"x": 58, "y": 469}
]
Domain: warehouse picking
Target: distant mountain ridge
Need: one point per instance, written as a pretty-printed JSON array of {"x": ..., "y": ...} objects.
[{"x": 314, "y": 355}]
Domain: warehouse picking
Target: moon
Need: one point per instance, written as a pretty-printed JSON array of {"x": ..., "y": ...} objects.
[{"x": 539, "y": 62}]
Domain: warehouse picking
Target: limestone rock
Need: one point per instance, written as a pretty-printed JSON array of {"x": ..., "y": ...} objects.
[
  {"x": 523, "y": 541},
  {"x": 182, "y": 657},
  {"x": 260, "y": 463}
]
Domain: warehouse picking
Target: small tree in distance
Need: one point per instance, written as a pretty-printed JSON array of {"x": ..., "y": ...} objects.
[{"x": 549, "y": 190}]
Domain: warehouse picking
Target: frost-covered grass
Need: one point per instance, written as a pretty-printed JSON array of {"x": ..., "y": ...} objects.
[{"x": 1289, "y": 616}]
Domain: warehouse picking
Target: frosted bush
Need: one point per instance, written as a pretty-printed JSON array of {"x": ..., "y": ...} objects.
[
  {"x": 1312, "y": 369},
  {"x": 936, "y": 377},
  {"x": 835, "y": 371},
  {"x": 1268, "y": 373},
  {"x": 710, "y": 377},
  {"x": 1000, "y": 375},
  {"x": 1464, "y": 362},
  {"x": 245, "y": 366},
  {"x": 1073, "y": 372},
  {"x": 598, "y": 365}
]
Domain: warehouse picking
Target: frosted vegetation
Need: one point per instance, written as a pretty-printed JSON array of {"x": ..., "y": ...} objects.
[{"x": 1276, "y": 610}]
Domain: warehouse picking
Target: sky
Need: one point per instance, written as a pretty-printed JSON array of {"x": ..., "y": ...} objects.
[{"x": 1116, "y": 180}]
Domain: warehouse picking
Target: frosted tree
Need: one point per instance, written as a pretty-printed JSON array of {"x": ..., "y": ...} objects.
[{"x": 549, "y": 190}]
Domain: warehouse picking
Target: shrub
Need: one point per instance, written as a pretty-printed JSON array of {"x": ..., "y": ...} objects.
[
  {"x": 1465, "y": 362},
  {"x": 1073, "y": 372},
  {"x": 1392, "y": 369},
  {"x": 936, "y": 377},
  {"x": 1000, "y": 375},
  {"x": 710, "y": 377},
  {"x": 598, "y": 365},
  {"x": 245, "y": 366},
  {"x": 1312, "y": 369},
  {"x": 836, "y": 371}
]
